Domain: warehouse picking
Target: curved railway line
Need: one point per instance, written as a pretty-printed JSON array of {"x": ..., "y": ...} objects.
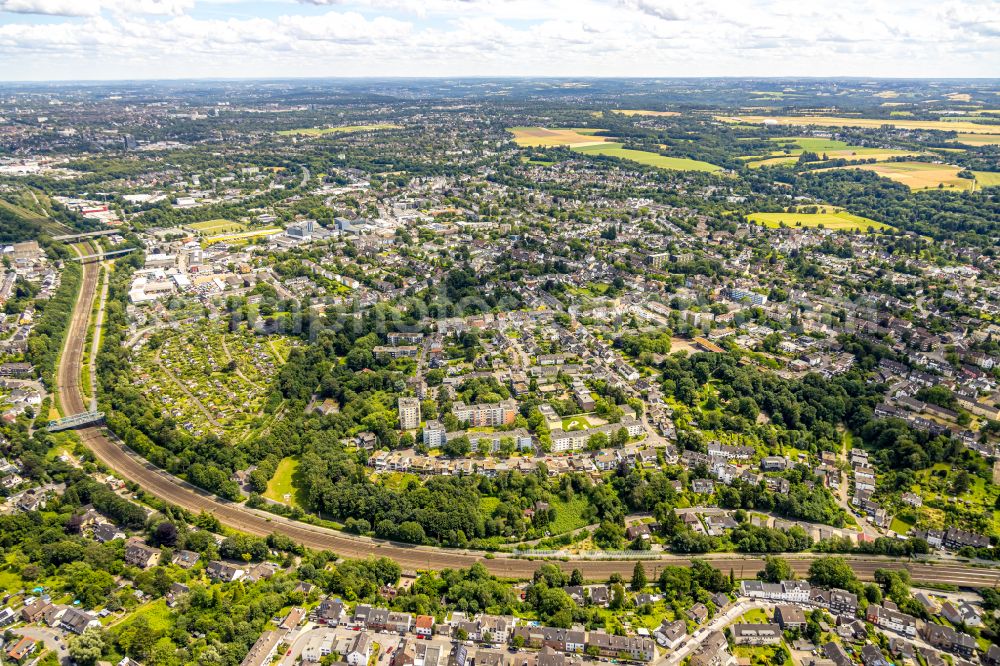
[{"x": 168, "y": 488}]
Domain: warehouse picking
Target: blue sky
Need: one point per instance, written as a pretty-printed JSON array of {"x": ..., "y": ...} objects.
[{"x": 123, "y": 39}]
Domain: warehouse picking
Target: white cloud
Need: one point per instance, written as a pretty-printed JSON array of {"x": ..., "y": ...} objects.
[
  {"x": 95, "y": 7},
  {"x": 173, "y": 38},
  {"x": 666, "y": 10}
]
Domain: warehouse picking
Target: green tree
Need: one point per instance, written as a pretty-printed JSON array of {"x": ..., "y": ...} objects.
[
  {"x": 834, "y": 572},
  {"x": 86, "y": 648},
  {"x": 776, "y": 569},
  {"x": 639, "y": 580}
]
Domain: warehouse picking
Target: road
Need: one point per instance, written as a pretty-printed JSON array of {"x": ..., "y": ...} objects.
[
  {"x": 718, "y": 623},
  {"x": 132, "y": 467}
]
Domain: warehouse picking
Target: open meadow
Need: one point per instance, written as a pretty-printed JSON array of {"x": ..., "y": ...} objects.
[
  {"x": 827, "y": 218},
  {"x": 209, "y": 227},
  {"x": 789, "y": 149},
  {"x": 281, "y": 487},
  {"x": 987, "y": 178},
  {"x": 610, "y": 149},
  {"x": 584, "y": 140}
]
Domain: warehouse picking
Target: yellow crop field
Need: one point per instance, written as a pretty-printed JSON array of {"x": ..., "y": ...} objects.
[
  {"x": 829, "y": 217},
  {"x": 641, "y": 112},
  {"x": 836, "y": 121},
  {"x": 556, "y": 136},
  {"x": 978, "y": 139},
  {"x": 919, "y": 175}
]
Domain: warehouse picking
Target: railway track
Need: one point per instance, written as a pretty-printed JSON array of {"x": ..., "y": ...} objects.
[{"x": 171, "y": 489}]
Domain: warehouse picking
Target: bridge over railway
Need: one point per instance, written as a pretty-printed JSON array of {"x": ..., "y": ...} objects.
[
  {"x": 87, "y": 234},
  {"x": 75, "y": 421},
  {"x": 101, "y": 256}
]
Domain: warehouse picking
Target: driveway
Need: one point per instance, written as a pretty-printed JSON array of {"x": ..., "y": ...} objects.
[{"x": 54, "y": 639}]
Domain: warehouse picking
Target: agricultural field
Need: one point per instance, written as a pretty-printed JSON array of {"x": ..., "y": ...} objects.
[
  {"x": 987, "y": 178},
  {"x": 209, "y": 227},
  {"x": 919, "y": 175},
  {"x": 583, "y": 140},
  {"x": 977, "y": 140},
  {"x": 792, "y": 147},
  {"x": 869, "y": 123},
  {"x": 322, "y": 131},
  {"x": 559, "y": 136},
  {"x": 643, "y": 157},
  {"x": 210, "y": 380},
  {"x": 642, "y": 112},
  {"x": 827, "y": 217}
]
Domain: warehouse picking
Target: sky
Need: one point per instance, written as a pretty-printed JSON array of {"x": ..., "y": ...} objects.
[{"x": 168, "y": 39}]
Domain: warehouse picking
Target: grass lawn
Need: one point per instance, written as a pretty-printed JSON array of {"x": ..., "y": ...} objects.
[
  {"x": 793, "y": 146},
  {"x": 578, "y": 422},
  {"x": 757, "y": 655},
  {"x": 755, "y": 616},
  {"x": 321, "y": 131},
  {"x": 610, "y": 149},
  {"x": 397, "y": 480},
  {"x": 832, "y": 218},
  {"x": 569, "y": 515},
  {"x": 216, "y": 226},
  {"x": 282, "y": 483},
  {"x": 987, "y": 178},
  {"x": 156, "y": 613},
  {"x": 900, "y": 526}
]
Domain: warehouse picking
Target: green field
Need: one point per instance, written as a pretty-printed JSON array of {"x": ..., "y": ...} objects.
[
  {"x": 321, "y": 131},
  {"x": 834, "y": 219},
  {"x": 282, "y": 483},
  {"x": 793, "y": 146},
  {"x": 215, "y": 227},
  {"x": 900, "y": 526},
  {"x": 569, "y": 515},
  {"x": 987, "y": 178},
  {"x": 610, "y": 149},
  {"x": 10, "y": 581},
  {"x": 158, "y": 616}
]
